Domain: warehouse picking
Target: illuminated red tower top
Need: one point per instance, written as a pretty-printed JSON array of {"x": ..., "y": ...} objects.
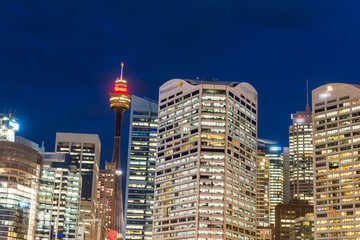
[{"x": 120, "y": 99}]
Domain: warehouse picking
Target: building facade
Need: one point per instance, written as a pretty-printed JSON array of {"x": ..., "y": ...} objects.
[
  {"x": 263, "y": 191},
  {"x": 264, "y": 230},
  {"x": 205, "y": 182},
  {"x": 106, "y": 196},
  {"x": 59, "y": 199},
  {"x": 139, "y": 195},
  {"x": 286, "y": 213},
  {"x": 274, "y": 152},
  {"x": 301, "y": 159},
  {"x": 84, "y": 151},
  {"x": 336, "y": 121},
  {"x": 20, "y": 167},
  {"x": 303, "y": 228},
  {"x": 286, "y": 173}
]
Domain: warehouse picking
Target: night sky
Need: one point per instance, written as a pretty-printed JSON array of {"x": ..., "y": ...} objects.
[{"x": 59, "y": 59}]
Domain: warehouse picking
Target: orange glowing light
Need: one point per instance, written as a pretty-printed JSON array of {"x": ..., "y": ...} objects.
[
  {"x": 112, "y": 235},
  {"x": 119, "y": 89}
]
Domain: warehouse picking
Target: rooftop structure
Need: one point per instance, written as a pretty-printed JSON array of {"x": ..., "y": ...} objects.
[{"x": 8, "y": 126}]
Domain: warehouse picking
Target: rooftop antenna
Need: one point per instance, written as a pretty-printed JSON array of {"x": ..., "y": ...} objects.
[
  {"x": 307, "y": 108},
  {"x": 122, "y": 70}
]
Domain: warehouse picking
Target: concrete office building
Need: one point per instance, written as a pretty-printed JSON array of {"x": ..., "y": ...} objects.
[
  {"x": 106, "y": 196},
  {"x": 263, "y": 230},
  {"x": 303, "y": 228},
  {"x": 20, "y": 167},
  {"x": 84, "y": 150},
  {"x": 59, "y": 198},
  {"x": 265, "y": 233},
  {"x": 301, "y": 159},
  {"x": 286, "y": 213},
  {"x": 139, "y": 195},
  {"x": 263, "y": 190},
  {"x": 274, "y": 152},
  {"x": 286, "y": 173},
  {"x": 336, "y": 116},
  {"x": 205, "y": 182}
]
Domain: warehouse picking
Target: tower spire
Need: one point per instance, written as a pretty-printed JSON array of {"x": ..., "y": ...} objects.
[
  {"x": 122, "y": 70},
  {"x": 307, "y": 108}
]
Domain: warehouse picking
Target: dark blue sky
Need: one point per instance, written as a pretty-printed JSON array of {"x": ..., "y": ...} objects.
[{"x": 59, "y": 59}]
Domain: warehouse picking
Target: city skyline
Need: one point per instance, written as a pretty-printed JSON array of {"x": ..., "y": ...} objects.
[
  {"x": 274, "y": 47},
  {"x": 180, "y": 120}
]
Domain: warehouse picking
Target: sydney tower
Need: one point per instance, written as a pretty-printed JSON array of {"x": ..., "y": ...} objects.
[{"x": 119, "y": 102}]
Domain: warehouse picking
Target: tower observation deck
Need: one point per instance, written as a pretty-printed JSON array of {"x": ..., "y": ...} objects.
[{"x": 119, "y": 102}]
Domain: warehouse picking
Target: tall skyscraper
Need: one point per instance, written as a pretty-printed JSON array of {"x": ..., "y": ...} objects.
[
  {"x": 274, "y": 152},
  {"x": 336, "y": 116},
  {"x": 59, "y": 198},
  {"x": 139, "y": 195},
  {"x": 84, "y": 151},
  {"x": 205, "y": 184},
  {"x": 264, "y": 230},
  {"x": 286, "y": 173},
  {"x": 20, "y": 167},
  {"x": 119, "y": 102},
  {"x": 301, "y": 159},
  {"x": 106, "y": 196},
  {"x": 263, "y": 190}
]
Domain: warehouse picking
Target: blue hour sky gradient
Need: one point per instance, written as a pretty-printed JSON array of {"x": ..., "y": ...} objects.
[{"x": 59, "y": 59}]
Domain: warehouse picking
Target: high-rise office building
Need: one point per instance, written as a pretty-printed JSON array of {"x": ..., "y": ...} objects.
[
  {"x": 8, "y": 126},
  {"x": 106, "y": 196},
  {"x": 20, "y": 167},
  {"x": 303, "y": 228},
  {"x": 336, "y": 116},
  {"x": 205, "y": 183},
  {"x": 301, "y": 160},
  {"x": 139, "y": 195},
  {"x": 264, "y": 230},
  {"x": 263, "y": 190},
  {"x": 59, "y": 198},
  {"x": 286, "y": 173},
  {"x": 274, "y": 152},
  {"x": 119, "y": 103},
  {"x": 286, "y": 214},
  {"x": 84, "y": 151}
]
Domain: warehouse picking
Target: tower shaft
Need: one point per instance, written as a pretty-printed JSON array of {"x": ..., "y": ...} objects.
[
  {"x": 119, "y": 220},
  {"x": 119, "y": 102}
]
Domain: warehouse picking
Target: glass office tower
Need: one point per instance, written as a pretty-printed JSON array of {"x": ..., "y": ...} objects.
[
  {"x": 301, "y": 159},
  {"x": 84, "y": 151},
  {"x": 336, "y": 121},
  {"x": 263, "y": 190},
  {"x": 20, "y": 167},
  {"x": 205, "y": 182},
  {"x": 106, "y": 196},
  {"x": 59, "y": 198},
  {"x": 139, "y": 195},
  {"x": 274, "y": 152}
]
